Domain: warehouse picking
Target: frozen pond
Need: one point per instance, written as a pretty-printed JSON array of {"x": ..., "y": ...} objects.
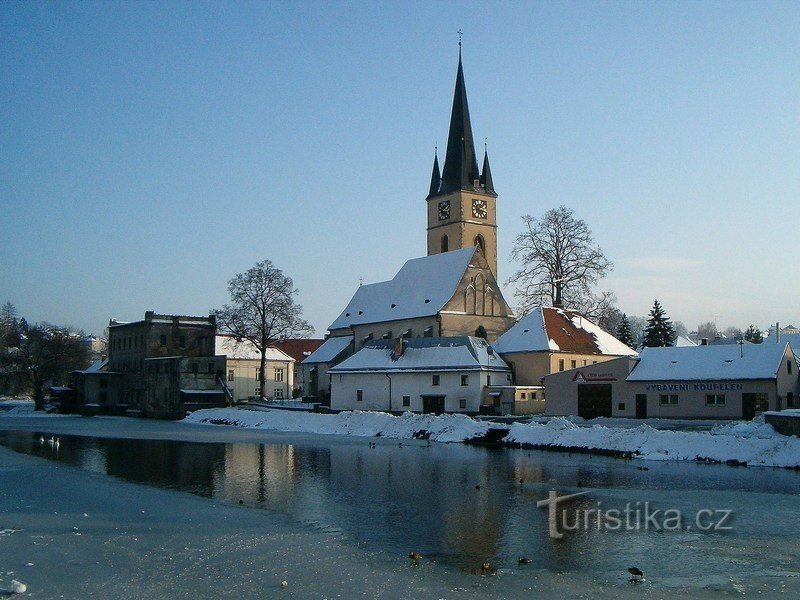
[{"x": 459, "y": 506}]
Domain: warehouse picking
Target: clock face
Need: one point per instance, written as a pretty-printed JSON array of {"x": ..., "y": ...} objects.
[
  {"x": 444, "y": 210},
  {"x": 479, "y": 209}
]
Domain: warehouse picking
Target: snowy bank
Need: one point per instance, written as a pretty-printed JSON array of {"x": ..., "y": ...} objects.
[
  {"x": 443, "y": 428},
  {"x": 739, "y": 443}
]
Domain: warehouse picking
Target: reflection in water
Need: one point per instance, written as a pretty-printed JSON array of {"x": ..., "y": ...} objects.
[{"x": 455, "y": 504}]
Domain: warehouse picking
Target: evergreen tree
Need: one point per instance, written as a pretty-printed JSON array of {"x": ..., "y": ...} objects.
[
  {"x": 624, "y": 332},
  {"x": 753, "y": 335},
  {"x": 659, "y": 331}
]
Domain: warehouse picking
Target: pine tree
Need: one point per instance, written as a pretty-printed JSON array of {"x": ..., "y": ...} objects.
[
  {"x": 659, "y": 331},
  {"x": 624, "y": 332},
  {"x": 753, "y": 335}
]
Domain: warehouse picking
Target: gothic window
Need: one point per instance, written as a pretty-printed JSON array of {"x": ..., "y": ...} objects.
[
  {"x": 444, "y": 243},
  {"x": 480, "y": 295},
  {"x": 469, "y": 299},
  {"x": 480, "y": 243}
]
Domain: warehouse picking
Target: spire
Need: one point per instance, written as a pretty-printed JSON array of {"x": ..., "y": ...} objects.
[
  {"x": 460, "y": 164},
  {"x": 436, "y": 178},
  {"x": 486, "y": 174}
]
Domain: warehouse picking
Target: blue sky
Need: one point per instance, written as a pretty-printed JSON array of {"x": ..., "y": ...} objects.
[{"x": 150, "y": 151}]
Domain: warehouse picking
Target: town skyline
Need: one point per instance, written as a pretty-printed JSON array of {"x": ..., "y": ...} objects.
[{"x": 144, "y": 169}]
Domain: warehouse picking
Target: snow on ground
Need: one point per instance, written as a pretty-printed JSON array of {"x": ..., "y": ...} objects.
[
  {"x": 751, "y": 443},
  {"x": 20, "y": 407},
  {"x": 443, "y": 428},
  {"x": 747, "y": 443}
]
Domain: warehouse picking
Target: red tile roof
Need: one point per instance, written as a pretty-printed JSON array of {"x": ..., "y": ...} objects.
[
  {"x": 298, "y": 349},
  {"x": 563, "y": 331}
]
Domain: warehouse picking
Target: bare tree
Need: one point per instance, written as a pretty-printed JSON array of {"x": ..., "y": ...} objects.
[
  {"x": 707, "y": 330},
  {"x": 42, "y": 355},
  {"x": 560, "y": 264},
  {"x": 262, "y": 310}
]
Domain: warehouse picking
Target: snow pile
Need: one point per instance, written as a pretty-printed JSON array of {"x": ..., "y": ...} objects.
[
  {"x": 443, "y": 428},
  {"x": 739, "y": 443},
  {"x": 20, "y": 408},
  {"x": 745, "y": 443}
]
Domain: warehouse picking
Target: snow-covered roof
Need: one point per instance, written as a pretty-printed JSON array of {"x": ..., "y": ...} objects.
[
  {"x": 424, "y": 354},
  {"x": 553, "y": 329},
  {"x": 96, "y": 367},
  {"x": 683, "y": 341},
  {"x": 793, "y": 340},
  {"x": 235, "y": 349},
  {"x": 330, "y": 349},
  {"x": 716, "y": 363},
  {"x": 420, "y": 288}
]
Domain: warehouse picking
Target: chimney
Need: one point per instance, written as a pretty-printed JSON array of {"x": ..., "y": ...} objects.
[
  {"x": 398, "y": 347},
  {"x": 704, "y": 342},
  {"x": 778, "y": 332}
]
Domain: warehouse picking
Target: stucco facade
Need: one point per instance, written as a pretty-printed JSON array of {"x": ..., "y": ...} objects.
[
  {"x": 408, "y": 390},
  {"x": 611, "y": 388},
  {"x": 530, "y": 367}
]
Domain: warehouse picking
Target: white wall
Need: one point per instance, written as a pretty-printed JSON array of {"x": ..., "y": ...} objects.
[
  {"x": 245, "y": 385},
  {"x": 375, "y": 388}
]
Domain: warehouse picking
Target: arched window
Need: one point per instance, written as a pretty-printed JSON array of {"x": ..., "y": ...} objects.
[
  {"x": 480, "y": 332},
  {"x": 480, "y": 243},
  {"x": 469, "y": 299},
  {"x": 444, "y": 243},
  {"x": 480, "y": 295}
]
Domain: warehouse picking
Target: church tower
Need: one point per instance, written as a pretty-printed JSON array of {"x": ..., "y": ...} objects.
[{"x": 462, "y": 203}]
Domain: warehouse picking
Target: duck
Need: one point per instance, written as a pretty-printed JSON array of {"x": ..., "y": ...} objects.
[
  {"x": 636, "y": 574},
  {"x": 486, "y": 566},
  {"x": 522, "y": 560},
  {"x": 414, "y": 555},
  {"x": 41, "y": 440}
]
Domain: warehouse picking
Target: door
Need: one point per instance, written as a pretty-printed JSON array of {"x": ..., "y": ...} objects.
[
  {"x": 641, "y": 406},
  {"x": 753, "y": 403},
  {"x": 433, "y": 405},
  {"x": 594, "y": 400}
]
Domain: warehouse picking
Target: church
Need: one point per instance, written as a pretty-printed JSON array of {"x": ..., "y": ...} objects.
[{"x": 423, "y": 340}]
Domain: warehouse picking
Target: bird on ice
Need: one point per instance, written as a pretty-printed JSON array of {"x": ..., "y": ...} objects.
[{"x": 636, "y": 574}]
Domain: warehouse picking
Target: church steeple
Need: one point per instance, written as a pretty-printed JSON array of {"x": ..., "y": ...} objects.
[
  {"x": 436, "y": 177},
  {"x": 461, "y": 202},
  {"x": 486, "y": 174},
  {"x": 460, "y": 170}
]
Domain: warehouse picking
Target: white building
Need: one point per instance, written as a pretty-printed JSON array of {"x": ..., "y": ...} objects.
[
  {"x": 700, "y": 382},
  {"x": 243, "y": 364},
  {"x": 427, "y": 375}
]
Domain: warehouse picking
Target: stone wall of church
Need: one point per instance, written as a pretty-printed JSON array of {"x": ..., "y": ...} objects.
[
  {"x": 454, "y": 324},
  {"x": 395, "y": 329}
]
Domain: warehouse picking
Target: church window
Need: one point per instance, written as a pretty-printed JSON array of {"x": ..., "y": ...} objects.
[
  {"x": 444, "y": 243},
  {"x": 469, "y": 299},
  {"x": 480, "y": 243}
]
